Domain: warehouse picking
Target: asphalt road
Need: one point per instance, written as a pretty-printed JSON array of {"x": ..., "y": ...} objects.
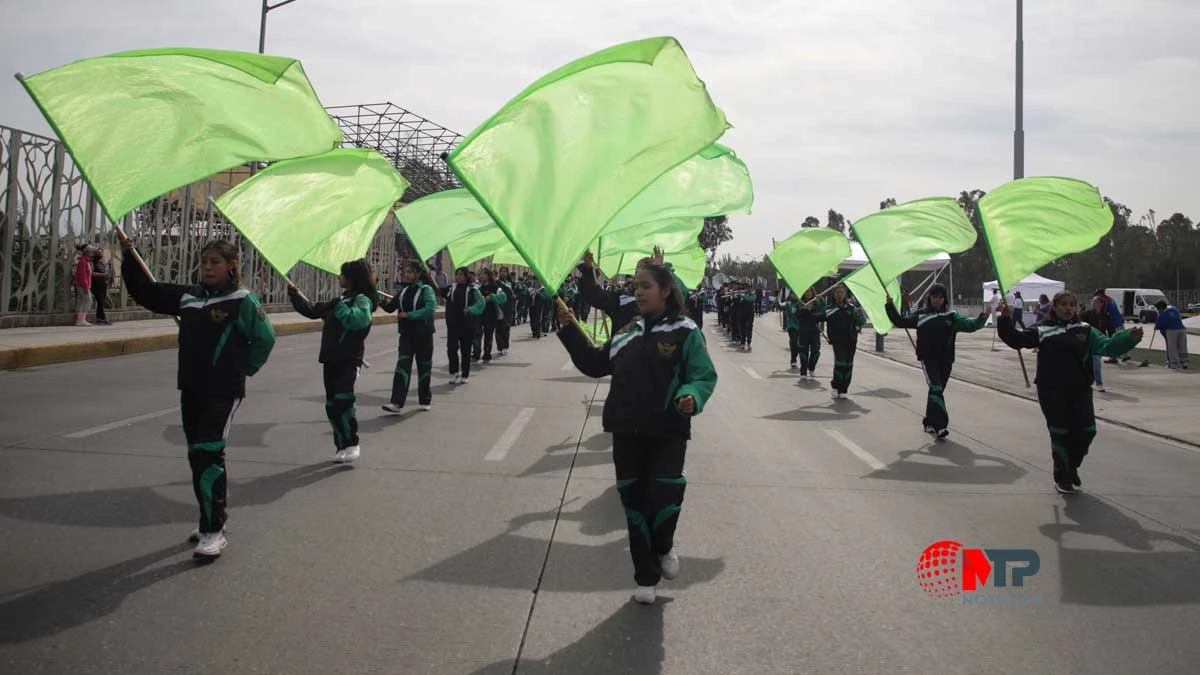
[{"x": 486, "y": 533}]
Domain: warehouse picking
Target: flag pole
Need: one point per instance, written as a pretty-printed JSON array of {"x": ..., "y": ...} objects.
[
  {"x": 999, "y": 284},
  {"x": 881, "y": 282}
]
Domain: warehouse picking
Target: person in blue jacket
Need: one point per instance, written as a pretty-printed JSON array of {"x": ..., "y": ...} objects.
[{"x": 1170, "y": 324}]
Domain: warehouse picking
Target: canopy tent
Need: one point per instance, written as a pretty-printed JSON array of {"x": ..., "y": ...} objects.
[
  {"x": 1030, "y": 288},
  {"x": 858, "y": 259}
]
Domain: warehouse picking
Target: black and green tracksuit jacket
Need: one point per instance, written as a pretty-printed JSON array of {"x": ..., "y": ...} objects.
[
  {"x": 842, "y": 323},
  {"x": 224, "y": 334},
  {"x": 347, "y": 323},
  {"x": 1065, "y": 350},
  {"x": 936, "y": 330},
  {"x": 653, "y": 364}
]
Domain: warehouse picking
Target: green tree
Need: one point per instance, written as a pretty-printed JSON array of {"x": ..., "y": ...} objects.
[
  {"x": 716, "y": 231},
  {"x": 811, "y": 221}
]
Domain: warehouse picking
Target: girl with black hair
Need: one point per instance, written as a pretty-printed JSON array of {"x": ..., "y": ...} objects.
[
  {"x": 415, "y": 304},
  {"x": 661, "y": 377},
  {"x": 803, "y": 322},
  {"x": 937, "y": 325},
  {"x": 463, "y": 304},
  {"x": 843, "y": 323},
  {"x": 347, "y": 323},
  {"x": 1064, "y": 378},
  {"x": 224, "y": 337},
  {"x": 494, "y": 299}
]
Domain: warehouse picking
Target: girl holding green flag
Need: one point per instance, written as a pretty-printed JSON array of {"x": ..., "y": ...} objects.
[
  {"x": 936, "y": 325},
  {"x": 347, "y": 321},
  {"x": 224, "y": 337},
  {"x": 809, "y": 313},
  {"x": 661, "y": 377},
  {"x": 843, "y": 321},
  {"x": 415, "y": 304},
  {"x": 1064, "y": 378}
]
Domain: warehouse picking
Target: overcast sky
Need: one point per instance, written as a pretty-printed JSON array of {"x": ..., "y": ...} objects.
[{"x": 834, "y": 105}]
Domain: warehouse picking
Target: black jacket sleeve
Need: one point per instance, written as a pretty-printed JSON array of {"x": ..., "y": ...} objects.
[
  {"x": 607, "y": 302},
  {"x": 590, "y": 359},
  {"x": 312, "y": 310},
  {"x": 900, "y": 321},
  {"x": 157, "y": 297},
  {"x": 1017, "y": 339}
]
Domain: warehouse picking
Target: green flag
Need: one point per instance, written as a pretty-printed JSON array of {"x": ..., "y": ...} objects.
[
  {"x": 904, "y": 236},
  {"x": 508, "y": 255},
  {"x": 433, "y": 221},
  {"x": 808, "y": 255},
  {"x": 1031, "y": 222},
  {"x": 672, "y": 234},
  {"x": 864, "y": 285},
  {"x": 560, "y": 160},
  {"x": 323, "y": 209},
  {"x": 712, "y": 183},
  {"x": 142, "y": 123},
  {"x": 476, "y": 246},
  {"x": 688, "y": 264}
]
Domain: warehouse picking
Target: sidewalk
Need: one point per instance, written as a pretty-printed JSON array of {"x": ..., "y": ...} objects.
[
  {"x": 38, "y": 346},
  {"x": 1153, "y": 399}
]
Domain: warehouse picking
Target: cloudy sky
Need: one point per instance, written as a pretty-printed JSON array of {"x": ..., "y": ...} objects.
[{"x": 834, "y": 105}]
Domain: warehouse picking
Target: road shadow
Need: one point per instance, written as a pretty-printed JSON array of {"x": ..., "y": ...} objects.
[
  {"x": 629, "y": 642},
  {"x": 145, "y": 506},
  {"x": 885, "y": 393},
  {"x": 241, "y": 435},
  {"x": 360, "y": 398},
  {"x": 385, "y": 420},
  {"x": 501, "y": 364},
  {"x": 579, "y": 379},
  {"x": 504, "y": 560},
  {"x": 1114, "y": 396},
  {"x": 1137, "y": 576},
  {"x": 838, "y": 411},
  {"x": 63, "y": 605},
  {"x": 955, "y": 463},
  {"x": 593, "y": 451}
]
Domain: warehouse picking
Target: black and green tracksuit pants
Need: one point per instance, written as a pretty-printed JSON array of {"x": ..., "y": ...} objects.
[
  {"x": 843, "y": 365},
  {"x": 419, "y": 346},
  {"x": 339, "y": 403},
  {"x": 808, "y": 347},
  {"x": 206, "y": 422},
  {"x": 651, "y": 484},
  {"x": 937, "y": 376},
  {"x": 1071, "y": 420}
]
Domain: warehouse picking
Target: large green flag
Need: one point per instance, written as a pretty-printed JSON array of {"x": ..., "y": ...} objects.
[
  {"x": 1031, "y": 222},
  {"x": 808, "y": 255},
  {"x": 433, "y": 221},
  {"x": 560, "y": 160},
  {"x": 865, "y": 286},
  {"x": 712, "y": 183},
  {"x": 476, "y": 246},
  {"x": 901, "y": 237},
  {"x": 508, "y": 254},
  {"x": 672, "y": 234},
  {"x": 688, "y": 264},
  {"x": 323, "y": 209},
  {"x": 142, "y": 123}
]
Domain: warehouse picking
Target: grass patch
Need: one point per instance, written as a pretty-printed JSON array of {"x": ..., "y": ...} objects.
[{"x": 1156, "y": 357}]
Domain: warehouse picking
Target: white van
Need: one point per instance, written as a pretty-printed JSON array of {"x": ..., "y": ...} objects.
[{"x": 1137, "y": 304}]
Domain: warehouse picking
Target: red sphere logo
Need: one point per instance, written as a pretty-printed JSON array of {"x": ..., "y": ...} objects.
[{"x": 939, "y": 569}]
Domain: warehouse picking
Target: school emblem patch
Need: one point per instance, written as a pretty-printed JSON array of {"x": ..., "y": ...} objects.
[
  {"x": 218, "y": 315},
  {"x": 666, "y": 349},
  {"x": 262, "y": 313}
]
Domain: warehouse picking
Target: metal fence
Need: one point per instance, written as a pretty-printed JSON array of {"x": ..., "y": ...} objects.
[{"x": 46, "y": 209}]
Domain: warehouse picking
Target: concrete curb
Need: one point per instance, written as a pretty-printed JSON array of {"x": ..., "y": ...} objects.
[
  {"x": 43, "y": 355},
  {"x": 1109, "y": 420}
]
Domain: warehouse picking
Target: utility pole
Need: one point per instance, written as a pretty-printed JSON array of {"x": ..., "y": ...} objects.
[
  {"x": 1019, "y": 131},
  {"x": 262, "y": 24}
]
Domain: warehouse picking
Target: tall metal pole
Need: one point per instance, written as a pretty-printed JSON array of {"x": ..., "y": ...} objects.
[
  {"x": 1019, "y": 131},
  {"x": 262, "y": 28}
]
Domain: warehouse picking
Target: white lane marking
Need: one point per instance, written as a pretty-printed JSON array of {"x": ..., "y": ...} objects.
[
  {"x": 84, "y": 433},
  {"x": 752, "y": 372},
  {"x": 509, "y": 438},
  {"x": 856, "y": 449},
  {"x": 569, "y": 365}
]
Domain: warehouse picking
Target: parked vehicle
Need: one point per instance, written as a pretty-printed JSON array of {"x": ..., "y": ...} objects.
[{"x": 1137, "y": 304}]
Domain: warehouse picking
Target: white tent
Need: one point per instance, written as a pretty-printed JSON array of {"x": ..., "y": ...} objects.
[
  {"x": 858, "y": 259},
  {"x": 1030, "y": 287}
]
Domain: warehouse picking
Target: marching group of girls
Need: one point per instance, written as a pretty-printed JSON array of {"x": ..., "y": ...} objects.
[
  {"x": 661, "y": 372},
  {"x": 657, "y": 359}
]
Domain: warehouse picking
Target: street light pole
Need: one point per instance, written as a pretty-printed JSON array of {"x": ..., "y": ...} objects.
[
  {"x": 1019, "y": 131},
  {"x": 262, "y": 24}
]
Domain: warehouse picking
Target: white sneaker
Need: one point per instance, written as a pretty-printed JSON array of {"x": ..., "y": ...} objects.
[
  {"x": 455, "y": 378},
  {"x": 670, "y": 564},
  {"x": 339, "y": 456},
  {"x": 463, "y": 381},
  {"x": 210, "y": 545},
  {"x": 425, "y": 406},
  {"x": 1099, "y": 387},
  {"x": 392, "y": 408},
  {"x": 843, "y": 395},
  {"x": 644, "y": 595},
  {"x": 351, "y": 453},
  {"x": 82, "y": 322},
  {"x": 834, "y": 394}
]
